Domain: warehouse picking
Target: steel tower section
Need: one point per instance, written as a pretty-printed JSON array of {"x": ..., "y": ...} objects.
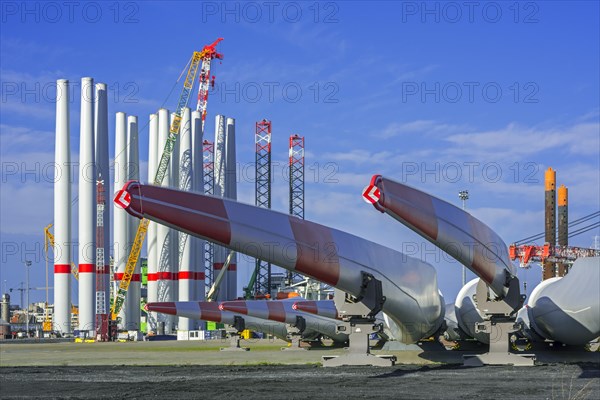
[
  {"x": 103, "y": 237},
  {"x": 297, "y": 176},
  {"x": 549, "y": 268},
  {"x": 296, "y": 169},
  {"x": 563, "y": 224},
  {"x": 208, "y": 167},
  {"x": 262, "y": 197}
]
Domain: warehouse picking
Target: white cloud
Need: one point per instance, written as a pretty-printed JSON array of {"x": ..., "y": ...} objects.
[
  {"x": 26, "y": 208},
  {"x": 418, "y": 126},
  {"x": 358, "y": 157},
  {"x": 19, "y": 138},
  {"x": 519, "y": 141}
]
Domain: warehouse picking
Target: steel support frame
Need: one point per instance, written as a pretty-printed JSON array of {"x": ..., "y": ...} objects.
[
  {"x": 358, "y": 321},
  {"x": 262, "y": 139},
  {"x": 208, "y": 167},
  {"x": 499, "y": 324},
  {"x": 296, "y": 193}
]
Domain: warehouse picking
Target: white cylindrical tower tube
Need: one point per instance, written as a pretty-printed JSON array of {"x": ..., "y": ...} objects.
[
  {"x": 87, "y": 211},
  {"x": 121, "y": 218},
  {"x": 186, "y": 274},
  {"x": 163, "y": 233},
  {"x": 220, "y": 253},
  {"x": 231, "y": 193},
  {"x": 103, "y": 174},
  {"x": 62, "y": 212},
  {"x": 151, "y": 241},
  {"x": 132, "y": 301},
  {"x": 198, "y": 186}
]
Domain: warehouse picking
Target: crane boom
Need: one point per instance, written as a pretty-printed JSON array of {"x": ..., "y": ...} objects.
[
  {"x": 49, "y": 240},
  {"x": 207, "y": 54},
  {"x": 563, "y": 254}
]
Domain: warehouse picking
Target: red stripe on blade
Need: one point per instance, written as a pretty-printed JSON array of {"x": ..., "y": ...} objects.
[
  {"x": 239, "y": 307},
  {"x": 210, "y": 219},
  {"x": 413, "y": 206},
  {"x": 276, "y": 311},
  {"x": 209, "y": 311},
  {"x": 306, "y": 306},
  {"x": 317, "y": 252},
  {"x": 164, "y": 307}
]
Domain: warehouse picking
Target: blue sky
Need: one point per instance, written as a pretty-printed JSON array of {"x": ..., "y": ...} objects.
[{"x": 437, "y": 95}]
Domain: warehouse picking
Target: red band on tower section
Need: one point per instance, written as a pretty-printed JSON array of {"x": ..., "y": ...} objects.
[
  {"x": 87, "y": 268},
  {"x": 166, "y": 276},
  {"x": 186, "y": 275},
  {"x": 106, "y": 270},
  {"x": 219, "y": 266},
  {"x": 62, "y": 269},
  {"x": 134, "y": 278}
]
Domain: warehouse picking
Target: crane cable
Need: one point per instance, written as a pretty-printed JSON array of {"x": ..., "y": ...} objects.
[
  {"x": 571, "y": 223},
  {"x": 585, "y": 229}
]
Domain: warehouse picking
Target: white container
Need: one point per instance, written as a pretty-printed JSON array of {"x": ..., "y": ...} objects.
[
  {"x": 183, "y": 335},
  {"x": 196, "y": 335}
]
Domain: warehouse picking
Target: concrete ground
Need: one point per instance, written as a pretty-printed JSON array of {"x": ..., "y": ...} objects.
[{"x": 177, "y": 370}]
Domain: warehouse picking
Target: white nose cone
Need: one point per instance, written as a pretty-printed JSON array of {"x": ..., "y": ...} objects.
[{"x": 567, "y": 309}]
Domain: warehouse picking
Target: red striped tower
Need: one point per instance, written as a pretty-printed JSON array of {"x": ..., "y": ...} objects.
[
  {"x": 87, "y": 212},
  {"x": 61, "y": 320}
]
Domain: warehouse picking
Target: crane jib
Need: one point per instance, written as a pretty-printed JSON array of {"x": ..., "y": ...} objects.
[{"x": 205, "y": 56}]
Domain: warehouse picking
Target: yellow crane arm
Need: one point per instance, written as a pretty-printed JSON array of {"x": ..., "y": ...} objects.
[{"x": 163, "y": 165}]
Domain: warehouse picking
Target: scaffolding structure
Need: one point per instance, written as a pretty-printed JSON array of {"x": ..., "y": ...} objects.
[
  {"x": 296, "y": 169},
  {"x": 262, "y": 139},
  {"x": 208, "y": 166}
]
